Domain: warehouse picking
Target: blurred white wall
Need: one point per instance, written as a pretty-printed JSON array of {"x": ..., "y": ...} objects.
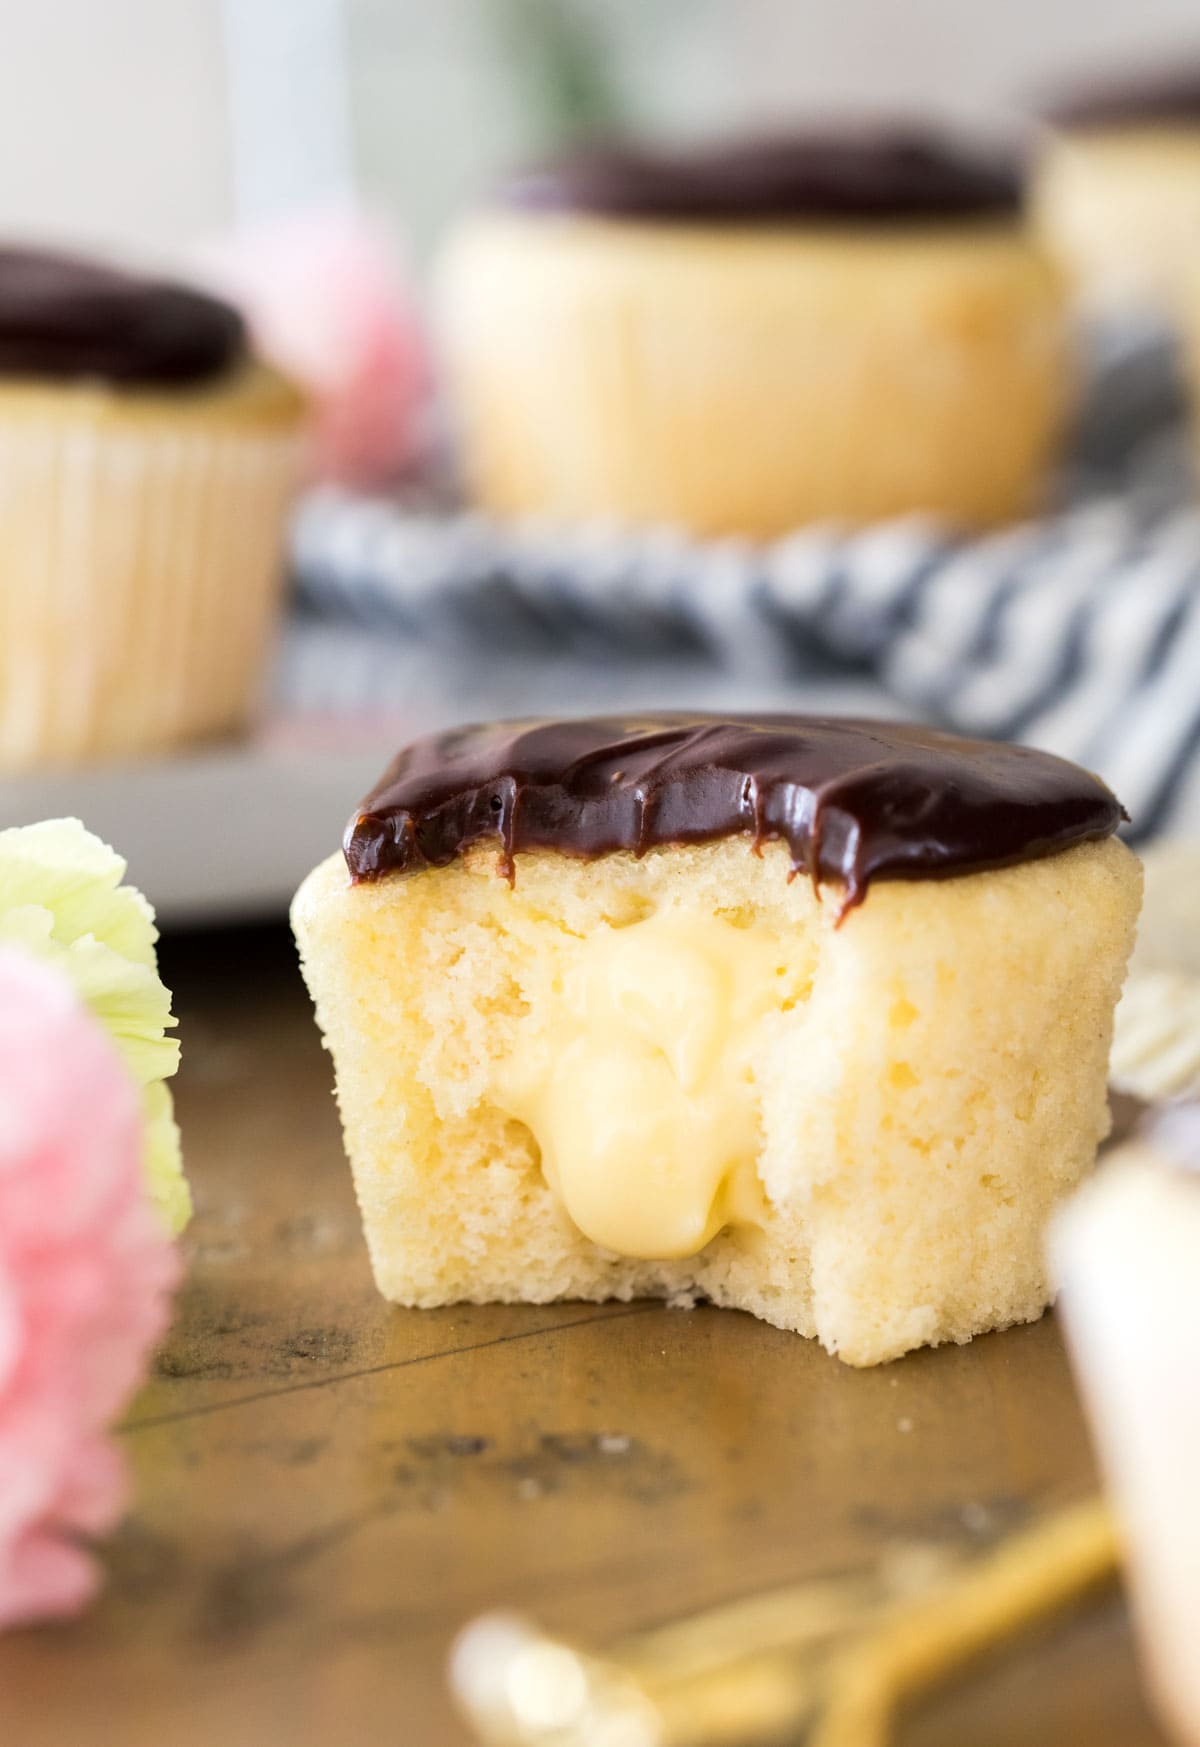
[
  {"x": 962, "y": 51},
  {"x": 113, "y": 121},
  {"x": 120, "y": 124},
  {"x": 438, "y": 100}
]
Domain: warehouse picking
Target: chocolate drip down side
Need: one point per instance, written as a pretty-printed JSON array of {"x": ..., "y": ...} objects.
[{"x": 854, "y": 801}]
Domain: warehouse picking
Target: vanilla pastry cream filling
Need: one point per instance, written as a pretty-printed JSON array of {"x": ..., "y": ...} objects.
[{"x": 634, "y": 1072}]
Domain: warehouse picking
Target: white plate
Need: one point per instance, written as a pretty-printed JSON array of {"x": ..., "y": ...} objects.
[
  {"x": 226, "y": 834},
  {"x": 220, "y": 835}
]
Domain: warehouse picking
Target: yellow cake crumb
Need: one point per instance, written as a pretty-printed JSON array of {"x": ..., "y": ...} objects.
[{"x": 922, "y": 1084}]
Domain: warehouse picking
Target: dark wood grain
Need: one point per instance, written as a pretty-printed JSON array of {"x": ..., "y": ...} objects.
[{"x": 328, "y": 1487}]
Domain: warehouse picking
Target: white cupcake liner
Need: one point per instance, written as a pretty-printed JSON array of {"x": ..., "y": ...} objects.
[{"x": 140, "y": 572}]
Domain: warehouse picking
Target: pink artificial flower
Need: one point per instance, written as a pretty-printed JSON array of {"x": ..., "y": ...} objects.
[
  {"x": 86, "y": 1273},
  {"x": 329, "y": 305}
]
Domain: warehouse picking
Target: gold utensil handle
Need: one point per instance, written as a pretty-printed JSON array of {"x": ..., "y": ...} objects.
[
  {"x": 1025, "y": 1579},
  {"x": 834, "y": 1657}
]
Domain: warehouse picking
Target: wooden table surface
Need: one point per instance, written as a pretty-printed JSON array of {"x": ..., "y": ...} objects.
[{"x": 326, "y": 1487}]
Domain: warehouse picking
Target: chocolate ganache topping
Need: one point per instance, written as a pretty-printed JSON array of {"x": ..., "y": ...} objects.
[
  {"x": 71, "y": 319},
  {"x": 828, "y": 175},
  {"x": 853, "y": 800},
  {"x": 1158, "y": 97}
]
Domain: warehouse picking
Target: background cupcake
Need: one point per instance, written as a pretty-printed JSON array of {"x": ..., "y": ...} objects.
[
  {"x": 838, "y": 324},
  {"x": 146, "y": 466},
  {"x": 1117, "y": 189}
]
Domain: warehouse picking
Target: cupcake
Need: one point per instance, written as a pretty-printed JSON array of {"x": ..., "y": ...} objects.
[
  {"x": 146, "y": 467},
  {"x": 1116, "y": 194},
  {"x": 1127, "y": 1252},
  {"x": 848, "y": 325},
  {"x": 594, "y": 1040}
]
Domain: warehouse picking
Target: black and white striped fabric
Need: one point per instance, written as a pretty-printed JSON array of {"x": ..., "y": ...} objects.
[{"x": 1079, "y": 632}]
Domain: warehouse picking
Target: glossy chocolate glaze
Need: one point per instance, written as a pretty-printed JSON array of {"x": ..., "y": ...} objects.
[
  {"x": 72, "y": 319},
  {"x": 853, "y": 800},
  {"x": 827, "y": 175},
  {"x": 1157, "y": 97}
]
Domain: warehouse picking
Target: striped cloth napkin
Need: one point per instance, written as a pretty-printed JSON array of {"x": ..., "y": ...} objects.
[{"x": 1078, "y": 632}]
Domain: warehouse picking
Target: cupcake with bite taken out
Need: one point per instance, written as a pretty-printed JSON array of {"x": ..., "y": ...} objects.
[
  {"x": 147, "y": 463},
  {"x": 843, "y": 324},
  {"x": 593, "y": 1039}
]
